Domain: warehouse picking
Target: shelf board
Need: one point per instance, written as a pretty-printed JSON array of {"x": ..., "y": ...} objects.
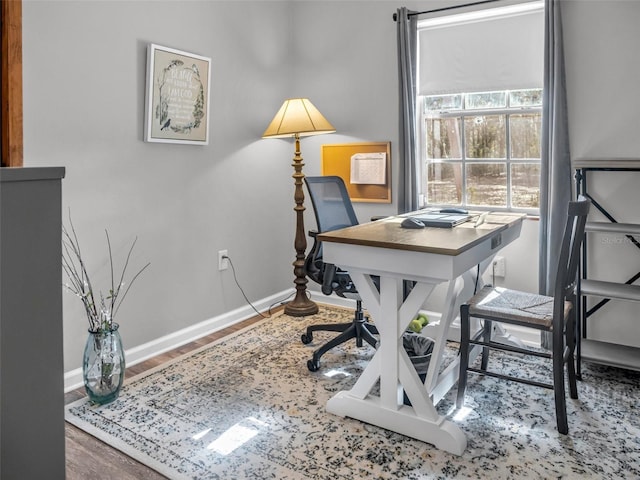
[
  {"x": 599, "y": 288},
  {"x": 628, "y": 163},
  {"x": 610, "y": 227},
  {"x": 611, "y": 354}
]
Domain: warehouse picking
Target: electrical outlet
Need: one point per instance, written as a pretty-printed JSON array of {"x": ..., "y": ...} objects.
[
  {"x": 499, "y": 267},
  {"x": 223, "y": 260}
]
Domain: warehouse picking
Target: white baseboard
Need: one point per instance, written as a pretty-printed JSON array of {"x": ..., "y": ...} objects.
[
  {"x": 135, "y": 355},
  {"x": 333, "y": 299}
]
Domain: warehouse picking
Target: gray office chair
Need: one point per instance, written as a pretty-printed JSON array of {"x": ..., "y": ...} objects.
[
  {"x": 549, "y": 314},
  {"x": 333, "y": 210}
]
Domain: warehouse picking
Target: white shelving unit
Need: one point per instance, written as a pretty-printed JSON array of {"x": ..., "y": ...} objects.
[{"x": 590, "y": 348}]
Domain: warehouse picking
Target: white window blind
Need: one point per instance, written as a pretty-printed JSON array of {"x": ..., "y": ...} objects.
[{"x": 492, "y": 49}]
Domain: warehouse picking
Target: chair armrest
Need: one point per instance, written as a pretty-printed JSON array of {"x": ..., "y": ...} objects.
[{"x": 327, "y": 278}]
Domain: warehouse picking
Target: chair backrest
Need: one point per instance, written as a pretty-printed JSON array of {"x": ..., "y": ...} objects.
[
  {"x": 331, "y": 203},
  {"x": 566, "y": 275},
  {"x": 333, "y": 210}
]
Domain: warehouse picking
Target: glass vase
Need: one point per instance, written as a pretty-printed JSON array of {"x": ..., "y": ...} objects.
[{"x": 103, "y": 365}]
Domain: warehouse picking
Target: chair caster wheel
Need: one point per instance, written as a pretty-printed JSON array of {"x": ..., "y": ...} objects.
[
  {"x": 306, "y": 338},
  {"x": 313, "y": 366}
]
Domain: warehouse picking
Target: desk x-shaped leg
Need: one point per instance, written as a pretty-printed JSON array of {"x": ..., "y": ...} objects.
[{"x": 392, "y": 366}]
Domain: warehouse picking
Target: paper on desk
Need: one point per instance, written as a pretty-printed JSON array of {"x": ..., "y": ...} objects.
[
  {"x": 471, "y": 224},
  {"x": 369, "y": 168}
]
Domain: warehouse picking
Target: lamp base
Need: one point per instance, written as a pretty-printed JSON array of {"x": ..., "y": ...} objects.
[{"x": 301, "y": 307}]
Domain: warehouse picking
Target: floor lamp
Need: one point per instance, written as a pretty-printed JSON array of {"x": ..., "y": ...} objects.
[{"x": 298, "y": 118}]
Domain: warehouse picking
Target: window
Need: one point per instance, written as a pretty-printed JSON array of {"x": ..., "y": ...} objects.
[
  {"x": 479, "y": 106},
  {"x": 482, "y": 149}
]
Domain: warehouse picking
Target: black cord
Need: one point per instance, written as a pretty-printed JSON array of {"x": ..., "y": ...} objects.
[
  {"x": 235, "y": 278},
  {"x": 475, "y": 289},
  {"x": 493, "y": 272}
]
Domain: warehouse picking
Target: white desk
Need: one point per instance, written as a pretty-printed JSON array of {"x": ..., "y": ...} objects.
[{"x": 429, "y": 257}]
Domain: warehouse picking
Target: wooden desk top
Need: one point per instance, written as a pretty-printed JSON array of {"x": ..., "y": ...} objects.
[{"x": 387, "y": 233}]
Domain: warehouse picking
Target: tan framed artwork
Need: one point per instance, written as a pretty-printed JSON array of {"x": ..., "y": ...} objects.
[
  {"x": 177, "y": 100},
  {"x": 364, "y": 167}
]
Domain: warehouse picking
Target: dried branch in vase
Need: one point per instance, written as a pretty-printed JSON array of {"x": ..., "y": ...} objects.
[{"x": 100, "y": 315}]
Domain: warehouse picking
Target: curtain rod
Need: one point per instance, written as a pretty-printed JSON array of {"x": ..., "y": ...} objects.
[{"x": 453, "y": 7}]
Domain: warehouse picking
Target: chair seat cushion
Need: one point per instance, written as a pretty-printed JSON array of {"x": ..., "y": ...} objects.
[{"x": 522, "y": 307}]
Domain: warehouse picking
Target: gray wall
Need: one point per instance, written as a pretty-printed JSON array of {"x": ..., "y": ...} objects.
[
  {"x": 84, "y": 84},
  {"x": 603, "y": 74},
  {"x": 84, "y": 77}
]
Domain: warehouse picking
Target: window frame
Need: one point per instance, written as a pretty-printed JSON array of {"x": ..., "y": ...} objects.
[{"x": 423, "y": 115}]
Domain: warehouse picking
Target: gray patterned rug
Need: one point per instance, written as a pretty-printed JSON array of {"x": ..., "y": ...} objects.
[{"x": 247, "y": 407}]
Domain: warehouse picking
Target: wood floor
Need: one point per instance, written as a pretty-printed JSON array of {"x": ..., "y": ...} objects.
[{"x": 88, "y": 458}]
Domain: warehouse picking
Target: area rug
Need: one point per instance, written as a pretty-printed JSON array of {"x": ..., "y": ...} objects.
[{"x": 247, "y": 407}]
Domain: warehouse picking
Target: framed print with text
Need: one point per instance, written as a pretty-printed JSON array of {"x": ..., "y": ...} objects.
[{"x": 177, "y": 97}]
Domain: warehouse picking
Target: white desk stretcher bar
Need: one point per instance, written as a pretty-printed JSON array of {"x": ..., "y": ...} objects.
[{"x": 620, "y": 291}]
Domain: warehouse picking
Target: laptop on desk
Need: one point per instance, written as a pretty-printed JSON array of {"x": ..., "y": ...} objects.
[{"x": 441, "y": 220}]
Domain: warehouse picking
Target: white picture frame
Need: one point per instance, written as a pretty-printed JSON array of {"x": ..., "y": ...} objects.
[{"x": 177, "y": 96}]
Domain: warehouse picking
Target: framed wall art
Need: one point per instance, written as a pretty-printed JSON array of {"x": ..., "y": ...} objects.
[{"x": 177, "y": 97}]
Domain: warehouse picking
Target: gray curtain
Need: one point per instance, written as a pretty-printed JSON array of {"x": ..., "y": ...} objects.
[
  {"x": 407, "y": 61},
  {"x": 556, "y": 174}
]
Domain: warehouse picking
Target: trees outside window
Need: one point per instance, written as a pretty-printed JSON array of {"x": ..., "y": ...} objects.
[{"x": 482, "y": 149}]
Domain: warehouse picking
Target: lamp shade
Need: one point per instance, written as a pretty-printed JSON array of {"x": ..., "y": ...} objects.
[{"x": 297, "y": 116}]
